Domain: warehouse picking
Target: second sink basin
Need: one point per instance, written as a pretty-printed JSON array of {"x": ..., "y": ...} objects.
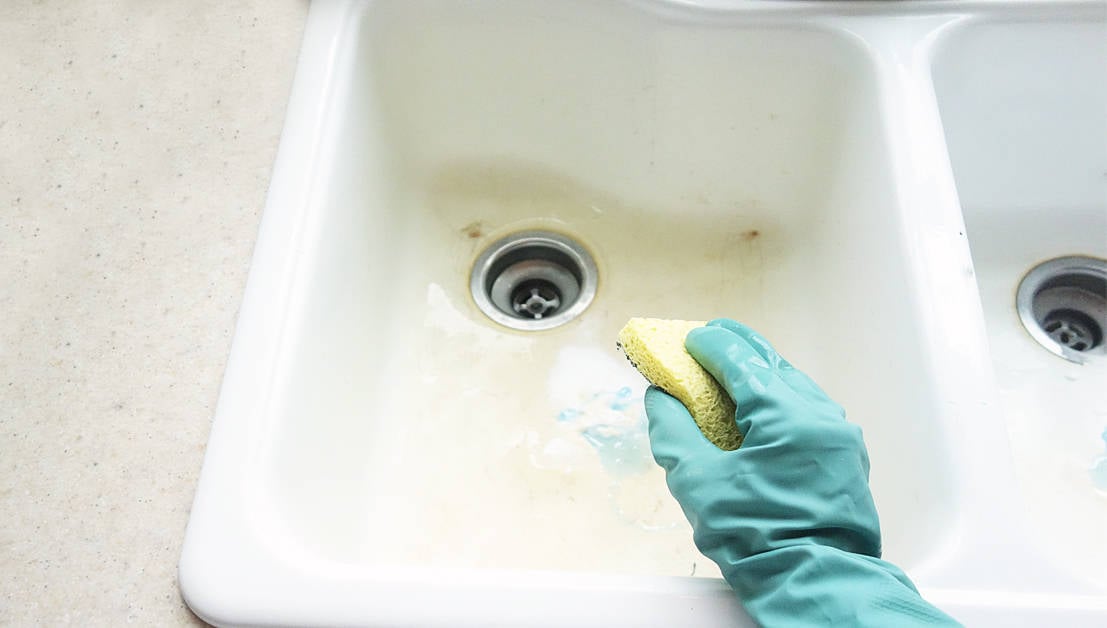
[{"x": 1026, "y": 128}]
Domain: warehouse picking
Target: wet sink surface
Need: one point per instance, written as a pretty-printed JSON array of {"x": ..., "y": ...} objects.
[
  {"x": 380, "y": 442},
  {"x": 736, "y": 208}
]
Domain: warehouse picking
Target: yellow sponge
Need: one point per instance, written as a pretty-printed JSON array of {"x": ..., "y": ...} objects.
[{"x": 656, "y": 348}]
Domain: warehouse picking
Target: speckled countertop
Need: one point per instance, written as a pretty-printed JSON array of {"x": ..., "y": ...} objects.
[{"x": 136, "y": 142}]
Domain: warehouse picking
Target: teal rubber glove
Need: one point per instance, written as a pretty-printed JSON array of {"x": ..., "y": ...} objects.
[{"x": 788, "y": 516}]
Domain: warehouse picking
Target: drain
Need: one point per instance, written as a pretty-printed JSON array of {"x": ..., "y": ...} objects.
[
  {"x": 535, "y": 299},
  {"x": 533, "y": 280},
  {"x": 1073, "y": 329},
  {"x": 1063, "y": 304}
]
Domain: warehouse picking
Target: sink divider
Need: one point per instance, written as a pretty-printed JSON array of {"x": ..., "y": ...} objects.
[{"x": 934, "y": 240}]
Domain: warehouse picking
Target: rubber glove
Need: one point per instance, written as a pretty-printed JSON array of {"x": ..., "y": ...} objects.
[{"x": 788, "y": 516}]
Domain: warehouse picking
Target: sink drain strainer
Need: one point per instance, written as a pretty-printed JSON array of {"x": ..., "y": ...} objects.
[
  {"x": 1063, "y": 304},
  {"x": 533, "y": 280}
]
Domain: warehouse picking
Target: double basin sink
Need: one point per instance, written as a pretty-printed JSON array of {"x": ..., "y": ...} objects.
[{"x": 865, "y": 183}]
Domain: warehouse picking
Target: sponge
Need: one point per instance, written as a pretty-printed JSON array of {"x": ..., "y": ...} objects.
[{"x": 656, "y": 348}]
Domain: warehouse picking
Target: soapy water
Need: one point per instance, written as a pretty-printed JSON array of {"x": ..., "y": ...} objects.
[
  {"x": 611, "y": 427},
  {"x": 614, "y": 424}
]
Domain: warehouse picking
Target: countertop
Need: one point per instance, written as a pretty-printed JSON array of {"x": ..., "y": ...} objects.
[{"x": 136, "y": 143}]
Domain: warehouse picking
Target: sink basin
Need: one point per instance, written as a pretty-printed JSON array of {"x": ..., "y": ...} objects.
[
  {"x": 1025, "y": 129},
  {"x": 385, "y": 453}
]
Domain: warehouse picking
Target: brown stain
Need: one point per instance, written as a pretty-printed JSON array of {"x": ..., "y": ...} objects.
[
  {"x": 750, "y": 235},
  {"x": 473, "y": 230}
]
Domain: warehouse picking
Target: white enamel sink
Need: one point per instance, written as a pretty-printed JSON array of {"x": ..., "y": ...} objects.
[
  {"x": 384, "y": 454},
  {"x": 1026, "y": 127}
]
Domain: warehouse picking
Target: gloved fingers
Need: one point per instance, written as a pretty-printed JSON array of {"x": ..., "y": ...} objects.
[
  {"x": 737, "y": 366},
  {"x": 673, "y": 433},
  {"x": 795, "y": 378},
  {"x": 756, "y": 340}
]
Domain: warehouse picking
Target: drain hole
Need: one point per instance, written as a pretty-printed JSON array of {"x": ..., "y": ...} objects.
[
  {"x": 536, "y": 299},
  {"x": 1063, "y": 304},
  {"x": 533, "y": 280},
  {"x": 1073, "y": 329}
]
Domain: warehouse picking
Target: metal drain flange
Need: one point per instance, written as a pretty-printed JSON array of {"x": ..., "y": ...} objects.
[
  {"x": 533, "y": 280},
  {"x": 1063, "y": 305}
]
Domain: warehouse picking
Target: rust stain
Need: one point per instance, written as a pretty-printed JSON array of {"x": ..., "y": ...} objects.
[{"x": 473, "y": 230}]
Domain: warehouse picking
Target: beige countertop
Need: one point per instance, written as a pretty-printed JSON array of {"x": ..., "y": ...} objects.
[{"x": 136, "y": 142}]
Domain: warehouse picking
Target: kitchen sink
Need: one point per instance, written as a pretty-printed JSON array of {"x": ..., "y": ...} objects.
[
  {"x": 387, "y": 451},
  {"x": 1026, "y": 132}
]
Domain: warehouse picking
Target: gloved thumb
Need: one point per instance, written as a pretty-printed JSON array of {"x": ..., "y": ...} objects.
[{"x": 674, "y": 435}]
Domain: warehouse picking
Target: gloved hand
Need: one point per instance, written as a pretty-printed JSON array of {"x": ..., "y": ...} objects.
[{"x": 788, "y": 516}]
